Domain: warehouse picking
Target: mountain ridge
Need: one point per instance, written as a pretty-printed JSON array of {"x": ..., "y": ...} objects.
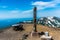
[{"x": 50, "y": 21}]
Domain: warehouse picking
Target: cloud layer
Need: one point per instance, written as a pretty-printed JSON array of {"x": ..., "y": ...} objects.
[{"x": 43, "y": 5}]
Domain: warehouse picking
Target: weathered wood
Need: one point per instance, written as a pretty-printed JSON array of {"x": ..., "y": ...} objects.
[{"x": 34, "y": 14}]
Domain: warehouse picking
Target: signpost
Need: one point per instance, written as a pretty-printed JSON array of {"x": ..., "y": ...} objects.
[{"x": 34, "y": 17}]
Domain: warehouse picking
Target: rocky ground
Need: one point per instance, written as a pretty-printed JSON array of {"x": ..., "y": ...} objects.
[{"x": 10, "y": 34}]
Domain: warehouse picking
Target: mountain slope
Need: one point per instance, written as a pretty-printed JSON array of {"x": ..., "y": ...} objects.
[{"x": 50, "y": 21}]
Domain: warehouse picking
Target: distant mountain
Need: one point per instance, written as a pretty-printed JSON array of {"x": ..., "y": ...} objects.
[{"x": 50, "y": 21}]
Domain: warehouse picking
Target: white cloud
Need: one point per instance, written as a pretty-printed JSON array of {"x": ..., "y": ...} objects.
[
  {"x": 16, "y": 14},
  {"x": 40, "y": 3},
  {"x": 43, "y": 5},
  {"x": 3, "y": 6},
  {"x": 27, "y": 11},
  {"x": 55, "y": 12},
  {"x": 56, "y": 1},
  {"x": 14, "y": 11}
]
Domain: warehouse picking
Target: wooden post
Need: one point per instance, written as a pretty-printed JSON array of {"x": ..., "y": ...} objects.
[{"x": 34, "y": 14}]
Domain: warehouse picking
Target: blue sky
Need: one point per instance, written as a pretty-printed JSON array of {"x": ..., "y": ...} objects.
[{"x": 24, "y": 8}]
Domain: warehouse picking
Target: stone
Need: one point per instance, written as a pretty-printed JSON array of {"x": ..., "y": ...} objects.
[{"x": 43, "y": 37}]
